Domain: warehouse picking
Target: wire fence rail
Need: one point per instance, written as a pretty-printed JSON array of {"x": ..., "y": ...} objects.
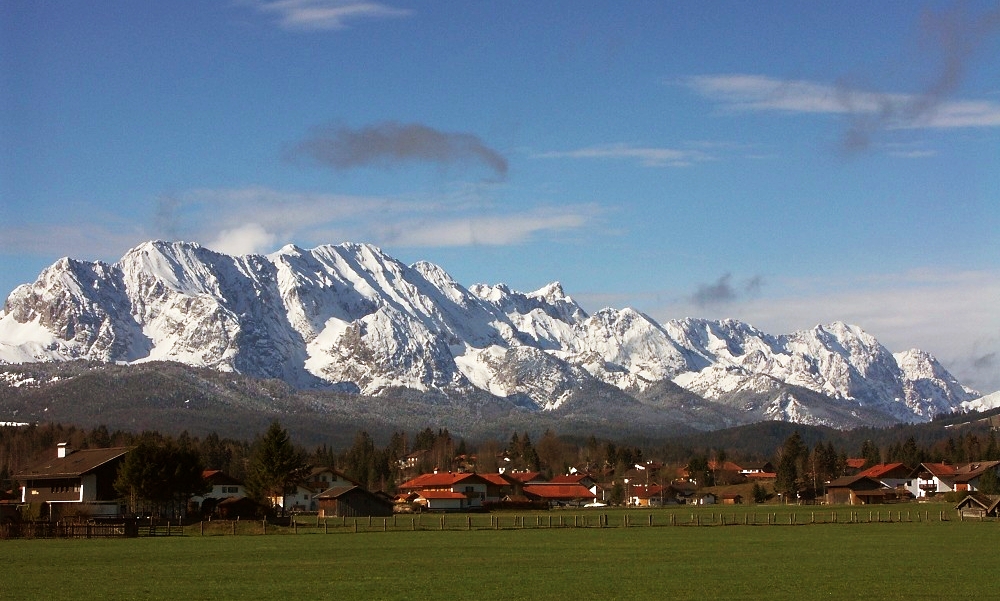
[{"x": 485, "y": 521}]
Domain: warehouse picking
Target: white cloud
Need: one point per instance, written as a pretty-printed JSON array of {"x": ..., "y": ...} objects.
[
  {"x": 244, "y": 240},
  {"x": 951, "y": 315},
  {"x": 326, "y": 14},
  {"x": 489, "y": 230},
  {"x": 647, "y": 156},
  {"x": 745, "y": 92},
  {"x": 307, "y": 218}
]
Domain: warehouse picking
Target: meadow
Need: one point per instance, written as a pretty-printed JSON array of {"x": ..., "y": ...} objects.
[{"x": 901, "y": 559}]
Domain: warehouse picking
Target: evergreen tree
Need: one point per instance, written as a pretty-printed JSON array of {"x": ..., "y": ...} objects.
[
  {"x": 275, "y": 465},
  {"x": 989, "y": 482},
  {"x": 870, "y": 453},
  {"x": 992, "y": 452},
  {"x": 787, "y": 477},
  {"x": 160, "y": 476}
]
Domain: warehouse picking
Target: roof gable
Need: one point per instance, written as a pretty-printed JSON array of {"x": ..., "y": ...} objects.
[{"x": 73, "y": 465}]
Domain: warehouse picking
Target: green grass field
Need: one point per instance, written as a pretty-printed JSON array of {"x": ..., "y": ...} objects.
[{"x": 898, "y": 560}]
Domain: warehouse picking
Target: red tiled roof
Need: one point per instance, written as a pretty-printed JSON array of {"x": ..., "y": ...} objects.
[
  {"x": 439, "y": 479},
  {"x": 442, "y": 494},
  {"x": 558, "y": 491},
  {"x": 877, "y": 471},
  {"x": 496, "y": 479},
  {"x": 569, "y": 478},
  {"x": 939, "y": 469},
  {"x": 856, "y": 463}
]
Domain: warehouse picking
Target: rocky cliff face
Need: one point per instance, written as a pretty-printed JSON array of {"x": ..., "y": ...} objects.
[{"x": 352, "y": 318}]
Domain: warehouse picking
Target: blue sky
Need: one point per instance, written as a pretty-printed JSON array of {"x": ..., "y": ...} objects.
[{"x": 783, "y": 163}]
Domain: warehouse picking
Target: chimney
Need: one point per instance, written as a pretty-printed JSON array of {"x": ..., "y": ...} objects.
[{"x": 62, "y": 449}]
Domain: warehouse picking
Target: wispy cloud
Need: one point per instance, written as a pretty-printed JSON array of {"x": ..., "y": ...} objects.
[
  {"x": 388, "y": 144},
  {"x": 646, "y": 155},
  {"x": 255, "y": 219},
  {"x": 489, "y": 230},
  {"x": 326, "y": 14},
  {"x": 744, "y": 92}
]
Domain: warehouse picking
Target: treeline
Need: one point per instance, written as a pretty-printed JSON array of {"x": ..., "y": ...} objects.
[{"x": 379, "y": 466}]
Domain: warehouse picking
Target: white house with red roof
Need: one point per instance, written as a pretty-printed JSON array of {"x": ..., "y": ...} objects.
[
  {"x": 936, "y": 478},
  {"x": 892, "y": 475},
  {"x": 470, "y": 486},
  {"x": 223, "y": 486}
]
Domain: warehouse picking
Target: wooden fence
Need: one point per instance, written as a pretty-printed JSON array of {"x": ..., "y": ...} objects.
[{"x": 68, "y": 530}]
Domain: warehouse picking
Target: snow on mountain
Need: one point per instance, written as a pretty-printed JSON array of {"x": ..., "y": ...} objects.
[
  {"x": 984, "y": 403},
  {"x": 351, "y": 317}
]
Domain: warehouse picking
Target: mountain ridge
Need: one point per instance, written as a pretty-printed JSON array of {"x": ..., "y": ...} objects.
[{"x": 351, "y": 318}]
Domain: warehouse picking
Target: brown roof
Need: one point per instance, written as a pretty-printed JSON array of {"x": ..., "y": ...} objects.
[
  {"x": 336, "y": 491},
  {"x": 569, "y": 478},
  {"x": 220, "y": 478},
  {"x": 986, "y": 502},
  {"x": 525, "y": 476},
  {"x": 74, "y": 464},
  {"x": 856, "y": 482}
]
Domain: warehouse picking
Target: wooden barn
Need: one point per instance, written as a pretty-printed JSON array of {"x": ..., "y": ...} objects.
[
  {"x": 978, "y": 505},
  {"x": 352, "y": 502}
]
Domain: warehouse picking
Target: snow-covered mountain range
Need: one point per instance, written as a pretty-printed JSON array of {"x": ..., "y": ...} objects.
[{"x": 353, "y": 318}]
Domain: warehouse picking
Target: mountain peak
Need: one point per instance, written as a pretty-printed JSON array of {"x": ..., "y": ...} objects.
[{"x": 351, "y": 317}]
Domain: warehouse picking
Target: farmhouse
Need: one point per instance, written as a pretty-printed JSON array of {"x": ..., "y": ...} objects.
[
  {"x": 74, "y": 483},
  {"x": 352, "y": 502},
  {"x": 471, "y": 487},
  {"x": 224, "y": 487},
  {"x": 934, "y": 478},
  {"x": 862, "y": 490},
  {"x": 651, "y": 495}
]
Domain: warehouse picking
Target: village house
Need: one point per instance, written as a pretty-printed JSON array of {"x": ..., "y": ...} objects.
[
  {"x": 464, "y": 490},
  {"x": 74, "y": 483},
  {"x": 583, "y": 479},
  {"x": 651, "y": 495},
  {"x": 352, "y": 502},
  {"x": 759, "y": 470},
  {"x": 223, "y": 486},
  {"x": 936, "y": 478},
  {"x": 891, "y": 475},
  {"x": 322, "y": 478},
  {"x": 301, "y": 497},
  {"x": 862, "y": 490}
]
